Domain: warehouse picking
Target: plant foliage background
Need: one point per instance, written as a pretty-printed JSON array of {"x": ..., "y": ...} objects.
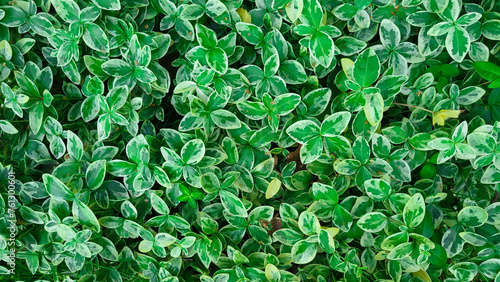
[{"x": 286, "y": 140}]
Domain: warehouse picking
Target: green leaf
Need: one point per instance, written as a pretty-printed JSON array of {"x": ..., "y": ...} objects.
[
  {"x": 75, "y": 146},
  {"x": 487, "y": 70},
  {"x": 321, "y": 46},
  {"x": 342, "y": 218},
  {"x": 361, "y": 150},
  {"x": 366, "y": 68},
  {"x": 414, "y": 211},
  {"x": 372, "y": 222},
  {"x": 250, "y": 32},
  {"x": 489, "y": 29},
  {"x": 95, "y": 38},
  {"x": 452, "y": 242},
  {"x": 472, "y": 216},
  {"x": 345, "y": 12},
  {"x": 322, "y": 192},
  {"x": 225, "y": 119},
  {"x": 490, "y": 268},
  {"x": 374, "y": 108},
  {"x": 68, "y": 10},
  {"x": 217, "y": 60},
  {"x": 113, "y": 5},
  {"x": 193, "y": 151},
  {"x": 303, "y": 252},
  {"x": 377, "y": 189},
  {"x": 309, "y": 223},
  {"x": 458, "y": 43},
  {"x": 335, "y": 124},
  {"x": 85, "y": 216},
  {"x": 116, "y": 67},
  {"x": 285, "y": 103},
  {"x": 41, "y": 26},
  {"x": 326, "y": 241},
  {"x": 292, "y": 72},
  {"x": 95, "y": 174},
  {"x": 311, "y": 150},
  {"x": 389, "y": 34},
  {"x": 302, "y": 131},
  {"x": 312, "y": 13},
  {"x": 317, "y": 101},
  {"x": 206, "y": 37},
  {"x": 401, "y": 251},
  {"x": 271, "y": 65},
  {"x": 7, "y": 127},
  {"x": 232, "y": 204}
]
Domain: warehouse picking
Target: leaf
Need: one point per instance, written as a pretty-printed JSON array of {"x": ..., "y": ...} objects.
[
  {"x": 414, "y": 211},
  {"x": 244, "y": 15},
  {"x": 292, "y": 72},
  {"x": 311, "y": 150},
  {"x": 68, "y": 10},
  {"x": 374, "y": 108},
  {"x": 95, "y": 174},
  {"x": 335, "y": 124},
  {"x": 250, "y": 32},
  {"x": 342, "y": 218},
  {"x": 377, "y": 189},
  {"x": 7, "y": 127},
  {"x": 457, "y": 43},
  {"x": 401, "y": 251},
  {"x": 372, "y": 222},
  {"x": 85, "y": 216},
  {"x": 490, "y": 267},
  {"x": 472, "y": 216},
  {"x": 232, "y": 204},
  {"x": 326, "y": 241},
  {"x": 312, "y": 13},
  {"x": 321, "y": 46},
  {"x": 302, "y": 131},
  {"x": 487, "y": 70},
  {"x": 75, "y": 146},
  {"x": 322, "y": 192},
  {"x": 113, "y": 5},
  {"x": 193, "y": 152},
  {"x": 206, "y": 37},
  {"x": 452, "y": 242},
  {"x": 273, "y": 188},
  {"x": 489, "y": 29},
  {"x": 441, "y": 116},
  {"x": 389, "y": 34},
  {"x": 95, "y": 38},
  {"x": 225, "y": 119},
  {"x": 294, "y": 9},
  {"x": 309, "y": 223},
  {"x": 435, "y": 6},
  {"x": 303, "y": 252},
  {"x": 286, "y": 103},
  {"x": 366, "y": 68}
]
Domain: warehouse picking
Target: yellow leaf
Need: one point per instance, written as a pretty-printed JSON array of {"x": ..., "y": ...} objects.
[
  {"x": 347, "y": 67},
  {"x": 333, "y": 231},
  {"x": 244, "y": 15},
  {"x": 273, "y": 188},
  {"x": 441, "y": 116},
  {"x": 422, "y": 275}
]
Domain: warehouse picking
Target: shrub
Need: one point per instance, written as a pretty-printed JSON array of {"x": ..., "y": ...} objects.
[{"x": 287, "y": 140}]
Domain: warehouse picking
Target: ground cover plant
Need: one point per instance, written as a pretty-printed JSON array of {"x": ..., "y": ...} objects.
[{"x": 231, "y": 140}]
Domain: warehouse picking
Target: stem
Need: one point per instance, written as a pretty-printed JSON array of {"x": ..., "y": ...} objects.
[{"x": 412, "y": 106}]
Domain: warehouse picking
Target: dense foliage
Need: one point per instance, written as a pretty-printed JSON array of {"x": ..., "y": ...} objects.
[{"x": 231, "y": 140}]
